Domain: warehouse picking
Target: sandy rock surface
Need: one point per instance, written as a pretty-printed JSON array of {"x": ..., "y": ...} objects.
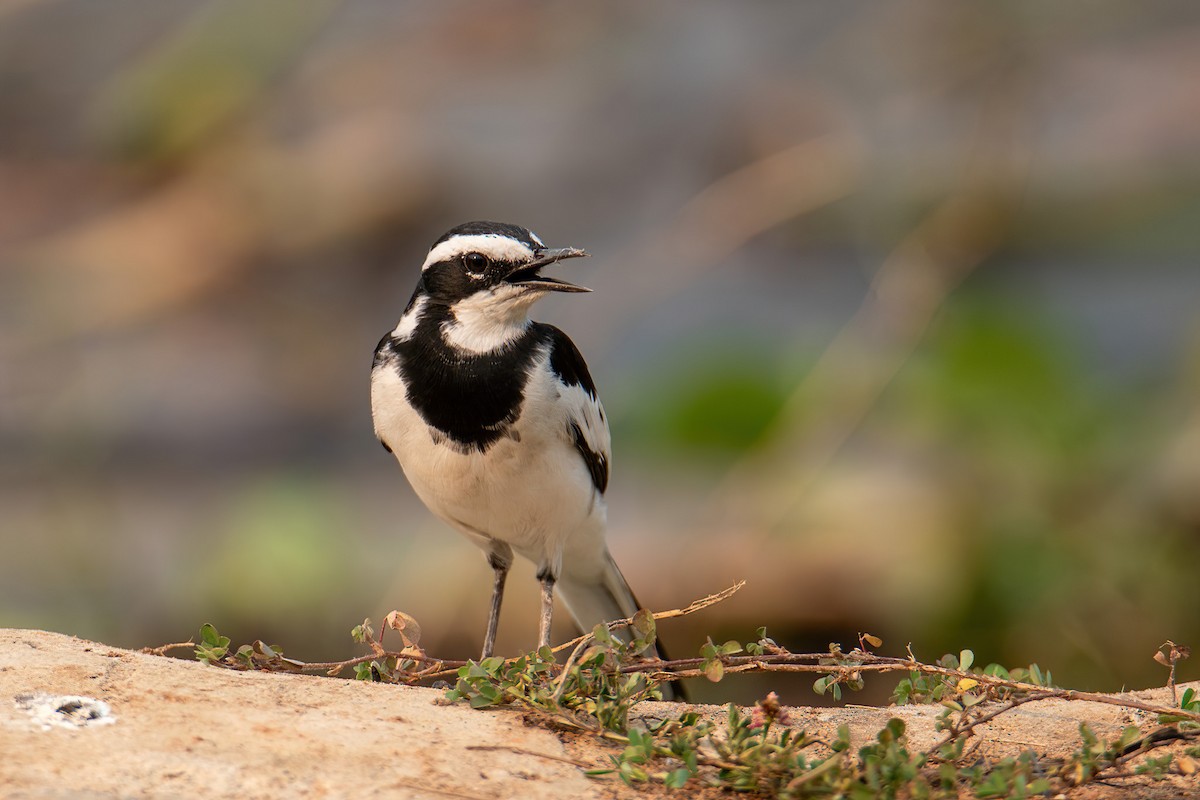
[
  {"x": 185, "y": 729},
  {"x": 80, "y": 719}
]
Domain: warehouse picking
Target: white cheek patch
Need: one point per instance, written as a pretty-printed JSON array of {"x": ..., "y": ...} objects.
[
  {"x": 494, "y": 246},
  {"x": 488, "y": 321}
]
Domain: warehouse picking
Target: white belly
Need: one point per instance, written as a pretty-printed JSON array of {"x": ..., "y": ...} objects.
[{"x": 532, "y": 491}]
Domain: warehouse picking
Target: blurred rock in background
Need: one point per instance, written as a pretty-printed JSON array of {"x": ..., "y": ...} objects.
[{"x": 897, "y": 313}]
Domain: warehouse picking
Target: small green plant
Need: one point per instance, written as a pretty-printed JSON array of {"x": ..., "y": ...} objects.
[
  {"x": 759, "y": 753},
  {"x": 888, "y": 769},
  {"x": 1008, "y": 778},
  {"x": 847, "y": 675},
  {"x": 213, "y": 646},
  {"x": 604, "y": 677},
  {"x": 713, "y": 666},
  {"x": 762, "y": 753},
  {"x": 956, "y": 691},
  {"x": 590, "y": 683},
  {"x": 1190, "y": 703}
]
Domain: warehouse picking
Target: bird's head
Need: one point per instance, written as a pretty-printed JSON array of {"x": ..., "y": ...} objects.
[
  {"x": 487, "y": 275},
  {"x": 493, "y": 265}
]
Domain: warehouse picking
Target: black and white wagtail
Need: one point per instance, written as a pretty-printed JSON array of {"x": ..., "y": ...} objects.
[{"x": 495, "y": 420}]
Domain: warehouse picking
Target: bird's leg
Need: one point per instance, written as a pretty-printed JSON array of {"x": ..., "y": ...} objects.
[
  {"x": 500, "y": 558},
  {"x": 547, "y": 578}
]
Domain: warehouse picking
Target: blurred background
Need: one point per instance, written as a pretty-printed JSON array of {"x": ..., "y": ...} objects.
[{"x": 896, "y": 314}]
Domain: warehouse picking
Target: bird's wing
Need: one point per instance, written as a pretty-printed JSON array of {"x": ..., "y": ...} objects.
[{"x": 586, "y": 425}]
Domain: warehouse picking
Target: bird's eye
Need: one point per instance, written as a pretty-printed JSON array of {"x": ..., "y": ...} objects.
[{"x": 475, "y": 262}]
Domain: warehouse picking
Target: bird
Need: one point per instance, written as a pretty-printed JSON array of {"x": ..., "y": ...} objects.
[{"x": 497, "y": 424}]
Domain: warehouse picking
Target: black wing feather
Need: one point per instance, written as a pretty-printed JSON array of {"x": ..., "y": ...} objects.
[
  {"x": 568, "y": 365},
  {"x": 567, "y": 362},
  {"x": 596, "y": 463}
]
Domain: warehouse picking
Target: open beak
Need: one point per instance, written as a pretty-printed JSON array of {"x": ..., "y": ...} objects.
[{"x": 528, "y": 274}]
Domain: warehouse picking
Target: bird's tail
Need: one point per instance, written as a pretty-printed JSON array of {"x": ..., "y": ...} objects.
[{"x": 603, "y": 599}]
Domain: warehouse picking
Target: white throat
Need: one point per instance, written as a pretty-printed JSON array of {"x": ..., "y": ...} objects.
[{"x": 490, "y": 320}]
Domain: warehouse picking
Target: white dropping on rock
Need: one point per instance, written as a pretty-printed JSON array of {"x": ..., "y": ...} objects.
[{"x": 64, "y": 710}]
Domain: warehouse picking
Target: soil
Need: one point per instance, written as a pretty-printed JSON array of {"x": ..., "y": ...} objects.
[{"x": 81, "y": 719}]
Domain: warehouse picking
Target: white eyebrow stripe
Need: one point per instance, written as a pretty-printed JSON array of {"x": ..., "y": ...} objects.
[{"x": 494, "y": 246}]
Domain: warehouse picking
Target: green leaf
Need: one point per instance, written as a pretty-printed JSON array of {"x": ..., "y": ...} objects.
[
  {"x": 1128, "y": 736},
  {"x": 965, "y": 659},
  {"x": 210, "y": 637},
  {"x": 640, "y": 738},
  {"x": 643, "y": 624},
  {"x": 730, "y": 647},
  {"x": 602, "y": 635},
  {"x": 714, "y": 670},
  {"x": 213, "y": 646},
  {"x": 842, "y": 743},
  {"x": 480, "y": 701},
  {"x": 677, "y": 779}
]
